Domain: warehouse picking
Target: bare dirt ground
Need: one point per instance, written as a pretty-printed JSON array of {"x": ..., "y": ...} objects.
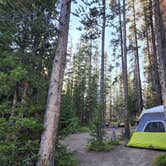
[{"x": 119, "y": 156}]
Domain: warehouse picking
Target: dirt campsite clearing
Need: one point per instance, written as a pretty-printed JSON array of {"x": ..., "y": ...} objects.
[{"x": 119, "y": 156}]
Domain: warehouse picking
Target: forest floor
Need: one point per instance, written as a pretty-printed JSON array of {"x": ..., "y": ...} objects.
[{"x": 119, "y": 156}]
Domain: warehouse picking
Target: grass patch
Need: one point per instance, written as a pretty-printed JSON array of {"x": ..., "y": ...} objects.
[
  {"x": 104, "y": 147},
  {"x": 82, "y": 129},
  {"x": 160, "y": 160}
]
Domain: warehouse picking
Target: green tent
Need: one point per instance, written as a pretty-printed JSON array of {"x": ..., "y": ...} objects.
[
  {"x": 148, "y": 140},
  {"x": 151, "y": 130}
]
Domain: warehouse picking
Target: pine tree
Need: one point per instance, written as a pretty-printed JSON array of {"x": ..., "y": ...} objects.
[{"x": 23, "y": 74}]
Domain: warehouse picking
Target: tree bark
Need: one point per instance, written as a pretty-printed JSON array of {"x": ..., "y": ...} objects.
[
  {"x": 102, "y": 56},
  {"x": 110, "y": 104},
  {"x": 51, "y": 119},
  {"x": 89, "y": 115},
  {"x": 122, "y": 91},
  {"x": 124, "y": 70},
  {"x": 121, "y": 45},
  {"x": 161, "y": 47},
  {"x": 156, "y": 88}
]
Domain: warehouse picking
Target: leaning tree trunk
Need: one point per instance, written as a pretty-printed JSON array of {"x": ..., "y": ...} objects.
[
  {"x": 124, "y": 70},
  {"x": 51, "y": 119},
  {"x": 161, "y": 46}
]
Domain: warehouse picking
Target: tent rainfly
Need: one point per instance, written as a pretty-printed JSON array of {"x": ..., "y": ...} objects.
[{"x": 151, "y": 130}]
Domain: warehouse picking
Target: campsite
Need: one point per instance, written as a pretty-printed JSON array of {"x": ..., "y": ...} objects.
[
  {"x": 143, "y": 148},
  {"x": 82, "y": 82},
  {"x": 119, "y": 156}
]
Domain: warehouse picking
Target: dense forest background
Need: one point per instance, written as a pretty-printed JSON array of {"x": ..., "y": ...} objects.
[{"x": 116, "y": 69}]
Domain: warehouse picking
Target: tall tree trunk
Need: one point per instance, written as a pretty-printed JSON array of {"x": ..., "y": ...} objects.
[
  {"x": 160, "y": 31},
  {"x": 105, "y": 87},
  {"x": 121, "y": 46},
  {"x": 101, "y": 97},
  {"x": 51, "y": 119},
  {"x": 147, "y": 40},
  {"x": 89, "y": 95},
  {"x": 90, "y": 114},
  {"x": 25, "y": 86},
  {"x": 148, "y": 50},
  {"x": 161, "y": 47},
  {"x": 110, "y": 106},
  {"x": 14, "y": 102},
  {"x": 156, "y": 88},
  {"x": 125, "y": 77},
  {"x": 137, "y": 68}
]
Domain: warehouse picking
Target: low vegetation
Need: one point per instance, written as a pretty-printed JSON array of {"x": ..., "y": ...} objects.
[
  {"x": 160, "y": 160},
  {"x": 64, "y": 157},
  {"x": 104, "y": 147},
  {"x": 82, "y": 129}
]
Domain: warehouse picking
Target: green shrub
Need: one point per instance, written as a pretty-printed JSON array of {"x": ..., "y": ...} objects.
[
  {"x": 19, "y": 141},
  {"x": 133, "y": 122},
  {"x": 68, "y": 128},
  {"x": 18, "y": 154},
  {"x": 105, "y": 146},
  {"x": 63, "y": 157},
  {"x": 113, "y": 142},
  {"x": 160, "y": 160}
]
